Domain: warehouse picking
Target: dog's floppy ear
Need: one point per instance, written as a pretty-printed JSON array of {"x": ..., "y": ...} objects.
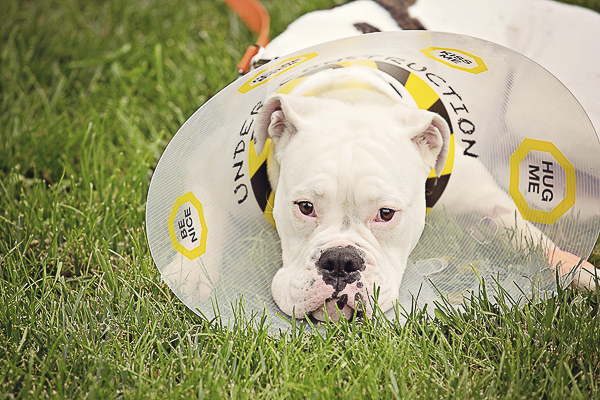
[
  {"x": 278, "y": 119},
  {"x": 431, "y": 134}
]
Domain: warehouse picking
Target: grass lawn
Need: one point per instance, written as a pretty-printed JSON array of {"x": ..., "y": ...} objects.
[{"x": 90, "y": 95}]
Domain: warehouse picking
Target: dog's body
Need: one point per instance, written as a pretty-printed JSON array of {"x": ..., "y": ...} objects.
[
  {"x": 348, "y": 169},
  {"x": 560, "y": 37}
]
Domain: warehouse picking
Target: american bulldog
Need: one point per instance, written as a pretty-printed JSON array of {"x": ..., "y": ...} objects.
[
  {"x": 348, "y": 167},
  {"x": 348, "y": 170}
]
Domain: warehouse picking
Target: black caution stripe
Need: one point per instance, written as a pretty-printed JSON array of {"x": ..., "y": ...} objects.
[
  {"x": 261, "y": 186},
  {"x": 438, "y": 108},
  {"x": 396, "y": 72},
  {"x": 434, "y": 187}
]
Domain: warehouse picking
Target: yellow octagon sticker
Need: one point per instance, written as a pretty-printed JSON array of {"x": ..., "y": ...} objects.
[
  {"x": 456, "y": 59},
  {"x": 274, "y": 71},
  {"x": 531, "y": 214},
  {"x": 187, "y": 226}
]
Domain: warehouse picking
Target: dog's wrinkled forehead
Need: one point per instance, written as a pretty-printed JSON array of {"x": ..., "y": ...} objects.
[
  {"x": 353, "y": 155},
  {"x": 331, "y": 123}
]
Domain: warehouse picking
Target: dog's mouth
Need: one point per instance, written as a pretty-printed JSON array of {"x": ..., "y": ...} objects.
[{"x": 338, "y": 307}]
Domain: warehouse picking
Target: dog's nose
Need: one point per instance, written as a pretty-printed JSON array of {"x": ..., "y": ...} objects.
[{"x": 341, "y": 261}]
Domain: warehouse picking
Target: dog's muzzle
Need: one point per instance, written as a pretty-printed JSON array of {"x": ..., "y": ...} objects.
[{"x": 339, "y": 267}]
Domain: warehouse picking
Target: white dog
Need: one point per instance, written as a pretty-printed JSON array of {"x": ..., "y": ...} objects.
[
  {"x": 348, "y": 169},
  {"x": 348, "y": 209}
]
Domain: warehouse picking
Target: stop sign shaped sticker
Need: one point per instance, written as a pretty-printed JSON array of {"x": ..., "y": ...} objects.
[{"x": 188, "y": 227}]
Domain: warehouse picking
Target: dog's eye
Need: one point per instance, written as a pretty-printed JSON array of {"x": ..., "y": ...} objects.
[
  {"x": 306, "y": 208},
  {"x": 385, "y": 215}
]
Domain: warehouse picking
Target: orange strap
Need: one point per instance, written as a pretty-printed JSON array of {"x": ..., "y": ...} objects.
[{"x": 256, "y": 18}]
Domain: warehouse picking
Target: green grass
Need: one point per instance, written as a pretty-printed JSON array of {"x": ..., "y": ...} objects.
[{"x": 91, "y": 93}]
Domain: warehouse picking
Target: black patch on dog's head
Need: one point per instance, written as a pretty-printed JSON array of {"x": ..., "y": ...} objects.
[
  {"x": 398, "y": 9},
  {"x": 364, "y": 27}
]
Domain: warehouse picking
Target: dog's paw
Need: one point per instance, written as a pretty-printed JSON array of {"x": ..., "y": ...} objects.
[{"x": 584, "y": 273}]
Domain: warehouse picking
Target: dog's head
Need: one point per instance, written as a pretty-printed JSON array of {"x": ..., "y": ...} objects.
[{"x": 349, "y": 183}]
